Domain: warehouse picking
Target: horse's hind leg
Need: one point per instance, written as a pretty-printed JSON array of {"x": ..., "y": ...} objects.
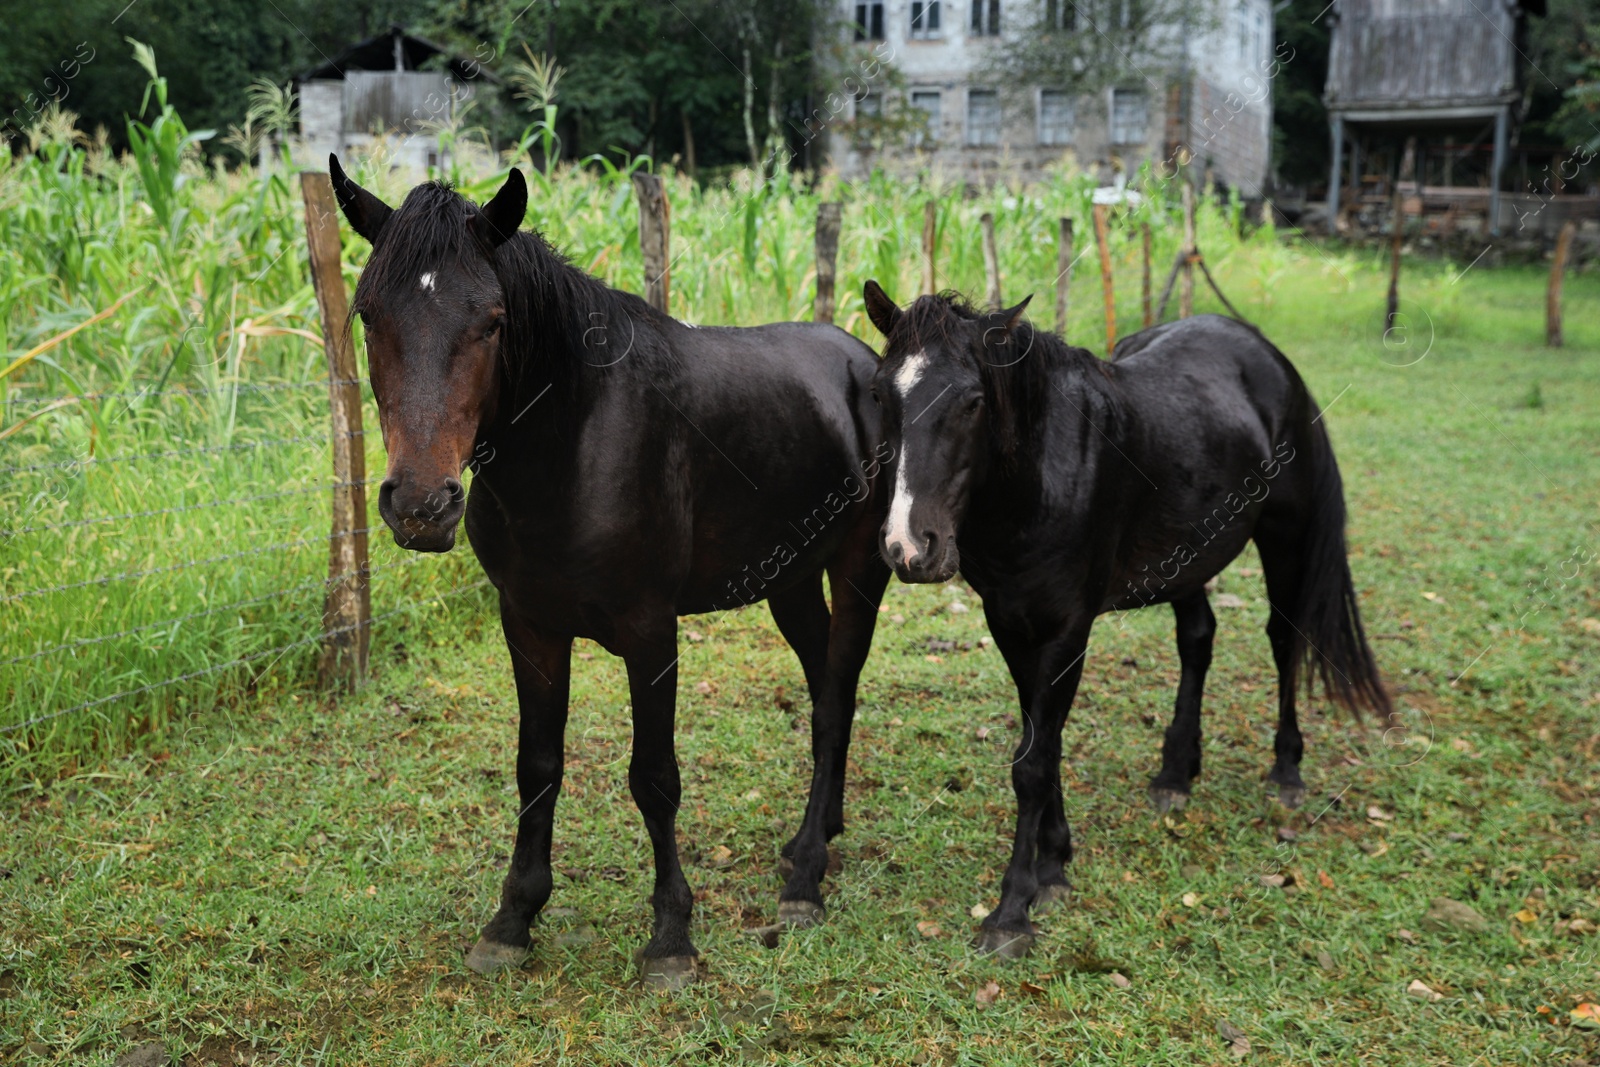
[
  {"x": 801, "y": 613},
  {"x": 1281, "y": 565},
  {"x": 1180, "y": 752},
  {"x": 540, "y": 662},
  {"x": 857, "y": 578}
]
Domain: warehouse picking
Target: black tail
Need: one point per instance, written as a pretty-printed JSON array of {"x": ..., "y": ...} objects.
[{"x": 1331, "y": 642}]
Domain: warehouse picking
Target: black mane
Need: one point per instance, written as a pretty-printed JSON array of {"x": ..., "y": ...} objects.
[{"x": 559, "y": 319}]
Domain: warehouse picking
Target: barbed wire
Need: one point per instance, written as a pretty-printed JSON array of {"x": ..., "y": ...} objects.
[
  {"x": 244, "y": 387},
  {"x": 171, "y": 453},
  {"x": 240, "y": 661},
  {"x": 179, "y": 508},
  {"x": 86, "y": 642},
  {"x": 129, "y": 575}
]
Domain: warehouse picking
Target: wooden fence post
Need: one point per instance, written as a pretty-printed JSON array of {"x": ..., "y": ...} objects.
[
  {"x": 1407, "y": 163},
  {"x": 655, "y": 238},
  {"x": 991, "y": 260},
  {"x": 1101, "y": 238},
  {"x": 1063, "y": 275},
  {"x": 827, "y": 260},
  {"x": 1149, "y": 314},
  {"x": 930, "y": 222},
  {"x": 1558, "y": 270},
  {"x": 347, "y": 611},
  {"x": 1186, "y": 272}
]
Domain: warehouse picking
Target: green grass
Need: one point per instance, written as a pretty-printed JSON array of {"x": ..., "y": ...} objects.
[{"x": 297, "y": 880}]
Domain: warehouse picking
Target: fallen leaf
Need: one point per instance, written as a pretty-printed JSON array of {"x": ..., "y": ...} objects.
[
  {"x": 987, "y": 995},
  {"x": 978, "y": 911},
  {"x": 1422, "y": 992},
  {"x": 897, "y": 721},
  {"x": 1119, "y": 980},
  {"x": 1032, "y": 990},
  {"x": 934, "y": 659},
  {"x": 1325, "y": 961},
  {"x": 1526, "y": 915},
  {"x": 983, "y": 733},
  {"x": 1461, "y": 744},
  {"x": 1586, "y": 1015},
  {"x": 1238, "y": 1043},
  {"x": 694, "y": 635},
  {"x": 721, "y": 856},
  {"x": 1228, "y": 600},
  {"x": 928, "y": 928},
  {"x": 372, "y": 890},
  {"x": 1446, "y": 914},
  {"x": 1326, "y": 879},
  {"x": 1191, "y": 900},
  {"x": 1580, "y": 927},
  {"x": 702, "y": 688},
  {"x": 1590, "y": 626},
  {"x": 958, "y": 608},
  {"x": 897, "y": 617},
  {"x": 1286, "y": 834},
  {"x": 1375, "y": 812},
  {"x": 1428, "y": 594},
  {"x": 1272, "y": 881},
  {"x": 1406, "y": 935}
]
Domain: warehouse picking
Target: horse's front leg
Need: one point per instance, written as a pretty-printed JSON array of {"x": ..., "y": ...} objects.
[
  {"x": 541, "y": 663},
  {"x": 1007, "y": 930},
  {"x": 668, "y": 961}
]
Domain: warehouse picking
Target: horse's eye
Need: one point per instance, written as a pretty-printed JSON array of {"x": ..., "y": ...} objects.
[
  {"x": 494, "y": 328},
  {"x": 974, "y": 405},
  {"x": 876, "y": 399}
]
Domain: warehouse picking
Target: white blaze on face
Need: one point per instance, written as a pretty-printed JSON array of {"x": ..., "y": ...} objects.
[
  {"x": 425, "y": 283},
  {"x": 899, "y": 525}
]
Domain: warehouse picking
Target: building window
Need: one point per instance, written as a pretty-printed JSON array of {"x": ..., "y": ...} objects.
[
  {"x": 924, "y": 18},
  {"x": 927, "y": 134},
  {"x": 869, "y": 21},
  {"x": 1057, "y": 117},
  {"x": 869, "y": 105},
  {"x": 1241, "y": 29},
  {"x": 985, "y": 18},
  {"x": 983, "y": 117},
  {"x": 1060, "y": 15},
  {"x": 1130, "y": 116}
]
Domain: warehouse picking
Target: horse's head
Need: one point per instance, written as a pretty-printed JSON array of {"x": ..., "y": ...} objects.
[
  {"x": 942, "y": 402},
  {"x": 435, "y": 317}
]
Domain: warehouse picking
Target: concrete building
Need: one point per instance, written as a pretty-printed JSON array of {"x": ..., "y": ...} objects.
[{"x": 1209, "y": 103}]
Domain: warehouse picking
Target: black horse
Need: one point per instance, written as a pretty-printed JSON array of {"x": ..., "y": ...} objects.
[
  {"x": 628, "y": 469},
  {"x": 1076, "y": 486}
]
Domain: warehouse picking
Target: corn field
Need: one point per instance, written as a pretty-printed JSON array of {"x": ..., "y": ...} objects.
[{"x": 164, "y": 453}]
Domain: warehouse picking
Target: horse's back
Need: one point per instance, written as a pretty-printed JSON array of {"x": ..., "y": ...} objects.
[{"x": 1213, "y": 368}]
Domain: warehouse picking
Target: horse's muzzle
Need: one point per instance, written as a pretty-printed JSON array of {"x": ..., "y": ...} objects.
[
  {"x": 422, "y": 520},
  {"x": 935, "y": 559}
]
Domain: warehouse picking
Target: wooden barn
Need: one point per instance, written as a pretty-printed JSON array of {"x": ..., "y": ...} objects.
[
  {"x": 1446, "y": 75},
  {"x": 389, "y": 92}
]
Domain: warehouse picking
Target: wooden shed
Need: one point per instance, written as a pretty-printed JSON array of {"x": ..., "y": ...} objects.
[
  {"x": 1448, "y": 73},
  {"x": 394, "y": 89}
]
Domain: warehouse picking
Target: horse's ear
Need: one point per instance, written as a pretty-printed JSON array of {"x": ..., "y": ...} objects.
[
  {"x": 503, "y": 215},
  {"x": 367, "y": 214},
  {"x": 1009, "y": 317},
  {"x": 880, "y": 309}
]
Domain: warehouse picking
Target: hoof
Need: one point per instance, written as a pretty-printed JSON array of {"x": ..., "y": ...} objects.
[
  {"x": 1291, "y": 796},
  {"x": 668, "y": 974},
  {"x": 1007, "y": 944},
  {"x": 1165, "y": 800},
  {"x": 487, "y": 957},
  {"x": 800, "y": 913},
  {"x": 1049, "y": 896}
]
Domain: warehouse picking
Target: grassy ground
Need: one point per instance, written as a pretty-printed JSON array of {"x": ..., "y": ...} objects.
[{"x": 298, "y": 883}]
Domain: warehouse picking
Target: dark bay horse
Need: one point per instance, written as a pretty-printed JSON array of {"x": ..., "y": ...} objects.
[
  {"x": 628, "y": 469},
  {"x": 1064, "y": 486}
]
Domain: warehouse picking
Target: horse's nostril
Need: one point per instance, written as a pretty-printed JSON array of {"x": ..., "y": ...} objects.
[
  {"x": 452, "y": 486},
  {"x": 897, "y": 551},
  {"x": 930, "y": 539},
  {"x": 386, "y": 494}
]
